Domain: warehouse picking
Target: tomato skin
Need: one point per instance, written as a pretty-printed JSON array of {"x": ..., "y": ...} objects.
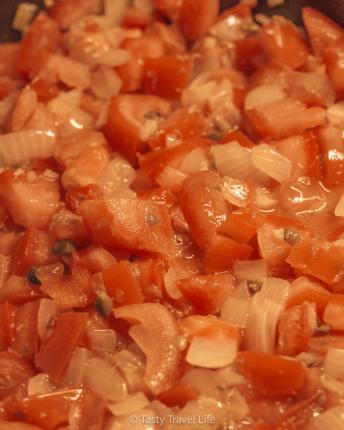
[
  {"x": 55, "y": 353},
  {"x": 7, "y": 318},
  {"x": 271, "y": 375},
  {"x": 203, "y": 206},
  {"x": 167, "y": 76},
  {"x": 25, "y": 329},
  {"x": 196, "y": 16},
  {"x": 222, "y": 252},
  {"x": 241, "y": 226},
  {"x": 284, "y": 42},
  {"x": 42, "y": 37},
  {"x": 45, "y": 90},
  {"x": 8, "y": 58},
  {"x": 126, "y": 117},
  {"x": 121, "y": 284},
  {"x": 207, "y": 292},
  {"x": 321, "y": 299}
]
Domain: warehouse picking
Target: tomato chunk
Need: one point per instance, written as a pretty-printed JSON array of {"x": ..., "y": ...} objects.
[
  {"x": 196, "y": 16},
  {"x": 25, "y": 329},
  {"x": 7, "y": 317}
]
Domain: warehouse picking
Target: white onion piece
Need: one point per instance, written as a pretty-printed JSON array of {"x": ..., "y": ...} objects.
[
  {"x": 334, "y": 363},
  {"x": 339, "y": 210},
  {"x": 269, "y": 161},
  {"x": 335, "y": 115},
  {"x": 113, "y": 57},
  {"x": 117, "y": 174},
  {"x": 264, "y": 94},
  {"x": 105, "y": 83},
  {"x": 75, "y": 372},
  {"x": 241, "y": 291},
  {"x": 265, "y": 198},
  {"x": 105, "y": 379},
  {"x": 194, "y": 162},
  {"x": 332, "y": 419},
  {"x": 233, "y": 160},
  {"x": 46, "y": 312},
  {"x": 235, "y": 191},
  {"x": 103, "y": 340},
  {"x": 211, "y": 353},
  {"x": 171, "y": 178},
  {"x": 114, "y": 10},
  {"x": 133, "y": 403},
  {"x": 252, "y": 269},
  {"x": 26, "y": 145},
  {"x": 275, "y": 289},
  {"x": 6, "y": 106},
  {"x": 235, "y": 310},
  {"x": 39, "y": 384},
  {"x": 24, "y": 14},
  {"x": 71, "y": 72},
  {"x": 170, "y": 278}
]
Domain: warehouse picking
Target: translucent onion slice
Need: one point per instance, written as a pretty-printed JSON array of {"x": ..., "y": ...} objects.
[
  {"x": 211, "y": 353},
  {"x": 46, "y": 312},
  {"x": 21, "y": 146},
  {"x": 103, "y": 340},
  {"x": 339, "y": 210},
  {"x": 332, "y": 419},
  {"x": 335, "y": 115},
  {"x": 235, "y": 310},
  {"x": 334, "y": 363},
  {"x": 39, "y": 384},
  {"x": 252, "y": 269},
  {"x": 264, "y": 94},
  {"x": 235, "y": 191},
  {"x": 131, "y": 404},
  {"x": 75, "y": 372},
  {"x": 114, "y": 10},
  {"x": 269, "y": 161}
]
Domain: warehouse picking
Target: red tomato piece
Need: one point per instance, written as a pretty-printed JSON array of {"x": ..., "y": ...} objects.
[
  {"x": 5, "y": 425},
  {"x": 151, "y": 273},
  {"x": 241, "y": 226},
  {"x": 18, "y": 291},
  {"x": 196, "y": 16},
  {"x": 121, "y": 284},
  {"x": 76, "y": 196},
  {"x": 238, "y": 136},
  {"x": 45, "y": 90},
  {"x": 135, "y": 18},
  {"x": 334, "y": 59},
  {"x": 8, "y": 58},
  {"x": 140, "y": 49},
  {"x": 283, "y": 41},
  {"x": 222, "y": 252},
  {"x": 42, "y": 37},
  {"x": 179, "y": 395},
  {"x": 55, "y": 353},
  {"x": 333, "y": 314},
  {"x": 321, "y": 29},
  {"x": 167, "y": 76},
  {"x": 127, "y": 116},
  {"x": 170, "y": 8},
  {"x": 173, "y": 39},
  {"x": 25, "y": 329},
  {"x": 7, "y": 317},
  {"x": 249, "y": 54},
  {"x": 14, "y": 373},
  {"x": 207, "y": 292},
  {"x": 203, "y": 206},
  {"x": 320, "y": 299},
  {"x": 297, "y": 415},
  {"x": 133, "y": 225},
  {"x": 91, "y": 408},
  {"x": 271, "y": 375}
]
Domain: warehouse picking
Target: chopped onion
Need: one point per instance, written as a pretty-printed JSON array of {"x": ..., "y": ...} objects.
[
  {"x": 39, "y": 384},
  {"x": 211, "y": 353},
  {"x": 105, "y": 83},
  {"x": 268, "y": 160},
  {"x": 339, "y": 211},
  {"x": 26, "y": 145},
  {"x": 235, "y": 191},
  {"x": 335, "y": 115},
  {"x": 332, "y": 419},
  {"x": 114, "y": 58},
  {"x": 24, "y": 14},
  {"x": 46, "y": 312},
  {"x": 235, "y": 310},
  {"x": 131, "y": 367},
  {"x": 103, "y": 340},
  {"x": 114, "y": 10},
  {"x": 264, "y": 94},
  {"x": 334, "y": 363},
  {"x": 235, "y": 161},
  {"x": 265, "y": 198},
  {"x": 71, "y": 72},
  {"x": 252, "y": 269},
  {"x": 171, "y": 178},
  {"x": 117, "y": 174},
  {"x": 75, "y": 372},
  {"x": 105, "y": 379},
  {"x": 194, "y": 162},
  {"x": 133, "y": 403}
]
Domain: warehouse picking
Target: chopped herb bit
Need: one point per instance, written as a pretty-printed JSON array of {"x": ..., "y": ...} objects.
[
  {"x": 254, "y": 286},
  {"x": 31, "y": 276},
  {"x": 291, "y": 236},
  {"x": 63, "y": 247},
  {"x": 103, "y": 304}
]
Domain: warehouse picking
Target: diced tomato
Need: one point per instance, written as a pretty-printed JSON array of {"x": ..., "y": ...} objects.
[
  {"x": 31, "y": 204},
  {"x": 249, "y": 54},
  {"x": 170, "y": 8},
  {"x": 321, "y": 29},
  {"x": 49, "y": 411},
  {"x": 151, "y": 275},
  {"x": 159, "y": 195},
  {"x": 136, "y": 18},
  {"x": 196, "y": 16},
  {"x": 237, "y": 136},
  {"x": 14, "y": 373},
  {"x": 34, "y": 248},
  {"x": 25, "y": 329},
  {"x": 294, "y": 331},
  {"x": 7, "y": 86},
  {"x": 69, "y": 291},
  {"x": 332, "y": 148},
  {"x": 320, "y": 260},
  {"x": 171, "y": 36},
  {"x": 333, "y": 314},
  {"x": 127, "y": 117},
  {"x": 222, "y": 252},
  {"x": 42, "y": 37},
  {"x": 140, "y": 49},
  {"x": 55, "y": 353},
  {"x": 66, "y": 12},
  {"x": 167, "y": 76},
  {"x": 18, "y": 290},
  {"x": 76, "y": 196},
  {"x": 284, "y": 42},
  {"x": 45, "y": 90},
  {"x": 203, "y": 206},
  {"x": 297, "y": 415},
  {"x": 179, "y": 395},
  {"x": 90, "y": 411},
  {"x": 8, "y": 59},
  {"x": 206, "y": 293},
  {"x": 154, "y": 162},
  {"x": 334, "y": 58},
  {"x": 6, "y": 425},
  {"x": 271, "y": 375},
  {"x": 7, "y": 317},
  {"x": 241, "y": 226},
  {"x": 284, "y": 118},
  {"x": 134, "y": 225},
  {"x": 320, "y": 299},
  {"x": 121, "y": 284}
]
